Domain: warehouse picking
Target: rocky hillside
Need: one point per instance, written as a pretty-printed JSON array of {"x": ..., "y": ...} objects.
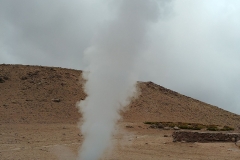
[{"x": 36, "y": 94}]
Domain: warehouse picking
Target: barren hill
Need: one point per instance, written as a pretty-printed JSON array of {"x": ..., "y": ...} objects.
[{"x": 36, "y": 94}]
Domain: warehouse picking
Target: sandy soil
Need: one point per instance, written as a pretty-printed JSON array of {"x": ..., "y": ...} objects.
[
  {"x": 62, "y": 141},
  {"x": 38, "y": 119}
]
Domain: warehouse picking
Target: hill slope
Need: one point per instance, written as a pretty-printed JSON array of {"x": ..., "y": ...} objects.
[{"x": 35, "y": 94}]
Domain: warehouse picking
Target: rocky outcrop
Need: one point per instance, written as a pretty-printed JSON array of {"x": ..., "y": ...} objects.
[
  {"x": 191, "y": 136},
  {"x": 3, "y": 79},
  {"x": 238, "y": 143}
]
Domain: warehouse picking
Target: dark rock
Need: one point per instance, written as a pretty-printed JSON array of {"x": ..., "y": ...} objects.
[
  {"x": 23, "y": 78},
  {"x": 2, "y": 80},
  {"x": 190, "y": 136},
  {"x": 56, "y": 100},
  {"x": 5, "y": 78},
  {"x": 159, "y": 125}
]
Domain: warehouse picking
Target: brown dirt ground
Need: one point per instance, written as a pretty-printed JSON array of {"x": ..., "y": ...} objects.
[{"x": 32, "y": 126}]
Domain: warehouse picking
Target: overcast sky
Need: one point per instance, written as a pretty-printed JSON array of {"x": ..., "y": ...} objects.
[{"x": 193, "y": 47}]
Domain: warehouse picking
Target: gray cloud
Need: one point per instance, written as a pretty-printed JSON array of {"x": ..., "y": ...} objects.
[
  {"x": 46, "y": 32},
  {"x": 193, "y": 49},
  {"x": 196, "y": 52}
]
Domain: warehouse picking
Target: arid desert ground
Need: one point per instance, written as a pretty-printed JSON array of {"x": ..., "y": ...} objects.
[{"x": 39, "y": 119}]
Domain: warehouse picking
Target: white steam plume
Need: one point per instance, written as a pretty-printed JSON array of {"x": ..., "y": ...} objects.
[{"x": 110, "y": 78}]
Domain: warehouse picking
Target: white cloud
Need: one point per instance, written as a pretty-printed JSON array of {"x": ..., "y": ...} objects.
[{"x": 194, "y": 48}]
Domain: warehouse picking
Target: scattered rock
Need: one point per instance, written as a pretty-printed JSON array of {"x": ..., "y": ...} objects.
[
  {"x": 159, "y": 125},
  {"x": 176, "y": 128},
  {"x": 5, "y": 78},
  {"x": 1, "y": 80},
  {"x": 23, "y": 78},
  {"x": 56, "y": 100},
  {"x": 238, "y": 143},
  {"x": 165, "y": 135},
  {"x": 190, "y": 136},
  {"x": 14, "y": 102},
  {"x": 129, "y": 127},
  {"x": 31, "y": 74},
  {"x": 63, "y": 84},
  {"x": 167, "y": 128}
]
